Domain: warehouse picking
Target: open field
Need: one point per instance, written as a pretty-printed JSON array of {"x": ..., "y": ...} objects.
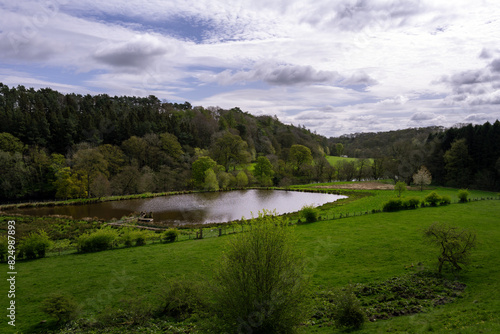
[{"x": 361, "y": 249}]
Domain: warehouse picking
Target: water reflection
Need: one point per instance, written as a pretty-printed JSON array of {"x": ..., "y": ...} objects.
[{"x": 194, "y": 208}]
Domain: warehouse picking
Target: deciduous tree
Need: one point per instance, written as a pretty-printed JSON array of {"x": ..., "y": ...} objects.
[{"x": 422, "y": 178}]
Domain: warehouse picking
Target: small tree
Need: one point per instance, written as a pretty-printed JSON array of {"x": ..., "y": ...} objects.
[
  {"x": 422, "y": 178},
  {"x": 348, "y": 311},
  {"x": 454, "y": 244},
  {"x": 260, "y": 282},
  {"x": 400, "y": 188}
]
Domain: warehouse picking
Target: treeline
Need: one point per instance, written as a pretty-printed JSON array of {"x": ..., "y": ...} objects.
[
  {"x": 464, "y": 156},
  {"x": 55, "y": 145}
]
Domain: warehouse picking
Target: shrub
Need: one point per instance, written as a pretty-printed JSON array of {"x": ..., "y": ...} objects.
[
  {"x": 34, "y": 245},
  {"x": 400, "y": 187},
  {"x": 60, "y": 306},
  {"x": 394, "y": 204},
  {"x": 180, "y": 298},
  {"x": 169, "y": 235},
  {"x": 433, "y": 199},
  {"x": 260, "y": 285},
  {"x": 99, "y": 240},
  {"x": 463, "y": 195},
  {"x": 412, "y": 203},
  {"x": 348, "y": 311},
  {"x": 309, "y": 213},
  {"x": 445, "y": 200}
]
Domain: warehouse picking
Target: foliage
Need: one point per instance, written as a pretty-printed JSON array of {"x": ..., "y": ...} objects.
[
  {"x": 463, "y": 195},
  {"x": 422, "y": 178},
  {"x": 458, "y": 164},
  {"x": 454, "y": 244},
  {"x": 60, "y": 306},
  {"x": 99, "y": 240},
  {"x": 433, "y": 199},
  {"x": 200, "y": 167},
  {"x": 260, "y": 285},
  {"x": 310, "y": 213},
  {"x": 242, "y": 179},
  {"x": 347, "y": 311},
  {"x": 394, "y": 204},
  {"x": 170, "y": 235},
  {"x": 10, "y": 143},
  {"x": 445, "y": 200},
  {"x": 400, "y": 187},
  {"x": 35, "y": 245},
  {"x": 263, "y": 171},
  {"x": 300, "y": 155},
  {"x": 182, "y": 297},
  {"x": 412, "y": 203},
  {"x": 211, "y": 183}
]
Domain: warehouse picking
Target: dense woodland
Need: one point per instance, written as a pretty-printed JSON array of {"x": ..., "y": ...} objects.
[{"x": 55, "y": 145}]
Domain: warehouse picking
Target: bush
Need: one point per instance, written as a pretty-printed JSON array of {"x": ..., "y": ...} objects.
[
  {"x": 34, "y": 245},
  {"x": 412, "y": 203},
  {"x": 170, "y": 235},
  {"x": 99, "y": 240},
  {"x": 260, "y": 285},
  {"x": 433, "y": 199},
  {"x": 348, "y": 311},
  {"x": 309, "y": 213},
  {"x": 463, "y": 195},
  {"x": 60, "y": 306},
  {"x": 445, "y": 200},
  {"x": 394, "y": 204},
  {"x": 181, "y": 298}
]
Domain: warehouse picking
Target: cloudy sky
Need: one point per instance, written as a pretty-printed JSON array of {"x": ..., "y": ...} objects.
[{"x": 335, "y": 66}]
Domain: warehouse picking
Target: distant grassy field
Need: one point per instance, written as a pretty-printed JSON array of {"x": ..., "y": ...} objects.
[
  {"x": 359, "y": 249},
  {"x": 334, "y": 160}
]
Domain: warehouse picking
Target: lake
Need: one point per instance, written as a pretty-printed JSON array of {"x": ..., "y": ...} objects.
[{"x": 197, "y": 208}]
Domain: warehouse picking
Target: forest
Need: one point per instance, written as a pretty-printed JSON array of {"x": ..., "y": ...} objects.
[{"x": 55, "y": 145}]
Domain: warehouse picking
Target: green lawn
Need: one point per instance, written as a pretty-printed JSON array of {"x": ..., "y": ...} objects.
[
  {"x": 334, "y": 160},
  {"x": 360, "y": 249}
]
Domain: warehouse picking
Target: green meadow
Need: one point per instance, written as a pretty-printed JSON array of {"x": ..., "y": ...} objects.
[{"x": 364, "y": 247}]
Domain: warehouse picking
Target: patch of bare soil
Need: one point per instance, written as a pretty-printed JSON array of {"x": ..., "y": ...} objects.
[{"x": 360, "y": 186}]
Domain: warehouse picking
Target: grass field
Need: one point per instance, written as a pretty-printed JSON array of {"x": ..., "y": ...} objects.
[{"x": 360, "y": 249}]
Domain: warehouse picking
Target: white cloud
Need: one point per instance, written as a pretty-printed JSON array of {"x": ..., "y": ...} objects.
[{"x": 362, "y": 65}]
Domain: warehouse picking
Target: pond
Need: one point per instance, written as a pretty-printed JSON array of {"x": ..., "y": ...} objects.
[{"x": 197, "y": 208}]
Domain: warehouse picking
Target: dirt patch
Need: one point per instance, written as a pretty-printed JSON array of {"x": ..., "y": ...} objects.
[{"x": 360, "y": 186}]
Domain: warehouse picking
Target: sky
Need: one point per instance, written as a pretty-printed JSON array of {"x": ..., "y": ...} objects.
[{"x": 334, "y": 66}]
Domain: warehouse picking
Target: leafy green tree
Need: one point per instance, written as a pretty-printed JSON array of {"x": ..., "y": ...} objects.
[
  {"x": 171, "y": 145},
  {"x": 92, "y": 163},
  {"x": 260, "y": 282},
  {"x": 135, "y": 148},
  {"x": 458, "y": 164},
  {"x": 69, "y": 184},
  {"x": 263, "y": 171},
  {"x": 114, "y": 157},
  {"x": 10, "y": 143},
  {"x": 242, "y": 179},
  {"x": 199, "y": 167},
  {"x": 454, "y": 244},
  {"x": 230, "y": 150},
  {"x": 211, "y": 180},
  {"x": 400, "y": 187},
  {"x": 35, "y": 245},
  {"x": 339, "y": 147},
  {"x": 127, "y": 181},
  {"x": 100, "y": 186},
  {"x": 422, "y": 178},
  {"x": 300, "y": 155}
]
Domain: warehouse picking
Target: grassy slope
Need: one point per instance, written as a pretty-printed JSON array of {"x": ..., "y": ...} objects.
[{"x": 360, "y": 249}]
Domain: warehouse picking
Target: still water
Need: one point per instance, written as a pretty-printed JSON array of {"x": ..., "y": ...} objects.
[{"x": 199, "y": 208}]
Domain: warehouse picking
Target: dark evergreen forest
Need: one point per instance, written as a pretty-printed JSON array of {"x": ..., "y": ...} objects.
[{"x": 55, "y": 145}]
